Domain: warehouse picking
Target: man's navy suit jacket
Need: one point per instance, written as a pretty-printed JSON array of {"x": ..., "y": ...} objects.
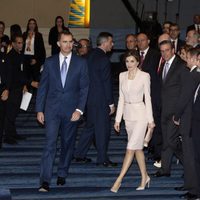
[{"x": 52, "y": 98}]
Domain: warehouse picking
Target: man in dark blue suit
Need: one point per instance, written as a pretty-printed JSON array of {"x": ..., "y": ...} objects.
[
  {"x": 100, "y": 103},
  {"x": 60, "y": 101}
]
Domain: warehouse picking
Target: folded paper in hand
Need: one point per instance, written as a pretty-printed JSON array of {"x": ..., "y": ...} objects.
[
  {"x": 148, "y": 136},
  {"x": 25, "y": 100}
]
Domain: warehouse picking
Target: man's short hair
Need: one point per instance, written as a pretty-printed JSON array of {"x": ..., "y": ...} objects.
[
  {"x": 166, "y": 42},
  {"x": 14, "y": 38},
  {"x": 194, "y": 52},
  {"x": 102, "y": 37},
  {"x": 174, "y": 25},
  {"x": 64, "y": 32}
]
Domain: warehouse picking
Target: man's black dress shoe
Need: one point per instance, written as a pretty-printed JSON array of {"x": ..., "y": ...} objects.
[
  {"x": 188, "y": 195},
  {"x": 83, "y": 160},
  {"x": 107, "y": 164},
  {"x": 10, "y": 141},
  {"x": 60, "y": 180},
  {"x": 44, "y": 187},
  {"x": 181, "y": 188},
  {"x": 159, "y": 174}
]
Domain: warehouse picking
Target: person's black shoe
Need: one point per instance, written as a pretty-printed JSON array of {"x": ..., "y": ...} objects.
[
  {"x": 159, "y": 174},
  {"x": 112, "y": 164},
  {"x": 44, "y": 187},
  {"x": 83, "y": 160},
  {"x": 10, "y": 141},
  {"x": 181, "y": 188},
  {"x": 60, "y": 180},
  {"x": 188, "y": 195},
  {"x": 19, "y": 137},
  {"x": 107, "y": 164},
  {"x": 145, "y": 148}
]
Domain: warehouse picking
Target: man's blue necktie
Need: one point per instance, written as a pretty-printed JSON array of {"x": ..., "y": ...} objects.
[
  {"x": 165, "y": 70},
  {"x": 63, "y": 71}
]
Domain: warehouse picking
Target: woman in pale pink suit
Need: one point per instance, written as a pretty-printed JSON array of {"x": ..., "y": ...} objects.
[{"x": 135, "y": 107}]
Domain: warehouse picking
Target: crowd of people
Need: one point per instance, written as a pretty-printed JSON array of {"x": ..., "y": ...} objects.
[{"x": 159, "y": 98}]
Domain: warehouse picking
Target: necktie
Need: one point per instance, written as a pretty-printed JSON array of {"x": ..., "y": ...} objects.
[
  {"x": 63, "y": 71},
  {"x": 141, "y": 59},
  {"x": 165, "y": 70},
  {"x": 173, "y": 43},
  {"x": 161, "y": 64}
]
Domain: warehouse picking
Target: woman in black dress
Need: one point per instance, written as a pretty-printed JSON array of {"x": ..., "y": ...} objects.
[{"x": 53, "y": 34}]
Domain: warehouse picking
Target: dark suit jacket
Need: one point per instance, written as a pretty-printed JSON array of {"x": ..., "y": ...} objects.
[
  {"x": 14, "y": 62},
  {"x": 5, "y": 74},
  {"x": 151, "y": 61},
  {"x": 183, "y": 110},
  {"x": 196, "y": 109},
  {"x": 196, "y": 105},
  {"x": 52, "y": 98},
  {"x": 180, "y": 43},
  {"x": 197, "y": 46},
  {"x": 100, "y": 90},
  {"x": 39, "y": 49},
  {"x": 150, "y": 65},
  {"x": 173, "y": 86},
  {"x": 184, "y": 107}
]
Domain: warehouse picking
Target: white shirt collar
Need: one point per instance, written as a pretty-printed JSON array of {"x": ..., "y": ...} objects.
[
  {"x": 175, "y": 43},
  {"x": 193, "y": 68},
  {"x": 62, "y": 57},
  {"x": 145, "y": 51},
  {"x": 171, "y": 60},
  {"x": 174, "y": 40},
  {"x": 195, "y": 45},
  {"x": 196, "y": 26}
]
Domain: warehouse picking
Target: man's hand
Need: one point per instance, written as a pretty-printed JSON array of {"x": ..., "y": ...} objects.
[
  {"x": 151, "y": 125},
  {"x": 112, "y": 109},
  {"x": 40, "y": 117},
  {"x": 176, "y": 122},
  {"x": 4, "y": 95},
  {"x": 75, "y": 116},
  {"x": 117, "y": 126},
  {"x": 35, "y": 84},
  {"x": 33, "y": 62}
]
